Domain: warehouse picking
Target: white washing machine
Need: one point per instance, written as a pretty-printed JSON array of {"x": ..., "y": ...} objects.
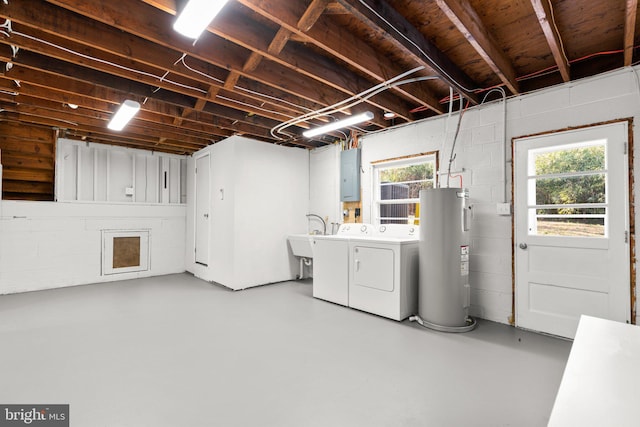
[
  {"x": 331, "y": 262},
  {"x": 383, "y": 271}
]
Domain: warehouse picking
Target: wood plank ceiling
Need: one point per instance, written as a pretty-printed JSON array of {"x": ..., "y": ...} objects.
[{"x": 264, "y": 63}]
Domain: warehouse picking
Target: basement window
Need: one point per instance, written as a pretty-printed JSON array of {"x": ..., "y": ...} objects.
[{"x": 397, "y": 185}]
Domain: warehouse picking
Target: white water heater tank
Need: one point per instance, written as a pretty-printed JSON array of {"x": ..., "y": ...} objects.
[{"x": 443, "y": 291}]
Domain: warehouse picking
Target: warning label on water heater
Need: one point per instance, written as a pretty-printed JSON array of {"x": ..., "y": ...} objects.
[{"x": 464, "y": 260}]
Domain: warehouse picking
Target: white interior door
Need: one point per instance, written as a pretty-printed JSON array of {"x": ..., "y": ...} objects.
[
  {"x": 571, "y": 228},
  {"x": 203, "y": 206}
]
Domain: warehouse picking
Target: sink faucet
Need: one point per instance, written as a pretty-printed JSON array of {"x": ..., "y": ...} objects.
[{"x": 324, "y": 224}]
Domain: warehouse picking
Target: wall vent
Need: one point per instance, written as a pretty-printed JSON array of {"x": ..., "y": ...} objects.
[{"x": 125, "y": 251}]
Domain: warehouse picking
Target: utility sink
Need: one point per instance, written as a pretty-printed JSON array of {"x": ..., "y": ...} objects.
[{"x": 301, "y": 245}]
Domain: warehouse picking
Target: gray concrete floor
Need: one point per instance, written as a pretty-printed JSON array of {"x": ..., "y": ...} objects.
[{"x": 176, "y": 351}]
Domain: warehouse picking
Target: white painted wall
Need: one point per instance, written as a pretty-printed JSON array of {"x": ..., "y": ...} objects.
[
  {"x": 324, "y": 179},
  {"x": 266, "y": 197},
  {"x": 46, "y": 245},
  {"x": 605, "y": 97},
  {"x": 103, "y": 173}
]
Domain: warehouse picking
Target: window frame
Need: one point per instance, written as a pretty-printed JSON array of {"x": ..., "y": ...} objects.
[
  {"x": 399, "y": 162},
  {"x": 534, "y": 206}
]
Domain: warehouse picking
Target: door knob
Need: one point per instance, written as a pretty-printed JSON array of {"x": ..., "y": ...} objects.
[
  {"x": 206, "y": 215},
  {"x": 523, "y": 245}
]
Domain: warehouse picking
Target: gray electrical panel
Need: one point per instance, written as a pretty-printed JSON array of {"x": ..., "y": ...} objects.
[{"x": 350, "y": 175}]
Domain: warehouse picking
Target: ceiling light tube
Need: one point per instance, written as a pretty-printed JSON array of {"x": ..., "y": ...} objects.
[
  {"x": 127, "y": 110},
  {"x": 196, "y": 17},
  {"x": 358, "y": 118}
]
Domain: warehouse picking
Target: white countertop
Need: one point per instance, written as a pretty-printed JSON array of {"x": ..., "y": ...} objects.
[{"x": 601, "y": 382}]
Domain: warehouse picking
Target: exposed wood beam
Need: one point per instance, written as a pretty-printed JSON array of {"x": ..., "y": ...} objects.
[
  {"x": 144, "y": 74},
  {"x": 378, "y": 14},
  {"x": 469, "y": 23},
  {"x": 72, "y": 27},
  {"x": 342, "y": 44},
  {"x": 544, "y": 12},
  {"x": 238, "y": 36},
  {"x": 311, "y": 15},
  {"x": 66, "y": 90},
  {"x": 631, "y": 12},
  {"x": 279, "y": 41}
]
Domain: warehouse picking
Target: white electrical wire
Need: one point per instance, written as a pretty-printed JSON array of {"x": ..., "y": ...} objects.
[
  {"x": 452, "y": 156},
  {"x": 432, "y": 63},
  {"x": 235, "y": 101},
  {"x": 340, "y": 106},
  {"x": 102, "y": 61},
  {"x": 503, "y": 154},
  {"x": 352, "y": 101},
  {"x": 358, "y": 100},
  {"x": 221, "y": 82},
  {"x": 553, "y": 21},
  {"x": 143, "y": 73},
  {"x": 446, "y": 123},
  {"x": 215, "y": 79}
]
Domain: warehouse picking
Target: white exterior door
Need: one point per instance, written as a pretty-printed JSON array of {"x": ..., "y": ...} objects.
[
  {"x": 571, "y": 228},
  {"x": 203, "y": 206}
]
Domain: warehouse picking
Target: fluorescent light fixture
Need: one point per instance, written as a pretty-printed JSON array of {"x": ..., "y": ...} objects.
[
  {"x": 358, "y": 118},
  {"x": 127, "y": 110},
  {"x": 196, "y": 17}
]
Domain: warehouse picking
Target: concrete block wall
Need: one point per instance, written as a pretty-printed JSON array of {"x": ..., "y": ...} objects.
[
  {"x": 46, "y": 245},
  {"x": 479, "y": 148}
]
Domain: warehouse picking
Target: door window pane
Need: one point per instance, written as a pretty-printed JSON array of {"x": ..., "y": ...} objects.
[
  {"x": 568, "y": 190},
  {"x": 574, "y": 222},
  {"x": 571, "y": 190}
]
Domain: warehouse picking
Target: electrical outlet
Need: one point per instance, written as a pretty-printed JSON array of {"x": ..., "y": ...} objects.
[{"x": 503, "y": 209}]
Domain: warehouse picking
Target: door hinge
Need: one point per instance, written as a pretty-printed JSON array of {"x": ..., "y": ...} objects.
[
  {"x": 626, "y": 145},
  {"x": 626, "y": 237}
]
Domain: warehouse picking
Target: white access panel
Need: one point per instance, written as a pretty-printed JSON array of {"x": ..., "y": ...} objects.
[{"x": 331, "y": 269}]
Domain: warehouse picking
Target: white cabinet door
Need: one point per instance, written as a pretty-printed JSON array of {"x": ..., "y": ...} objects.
[{"x": 203, "y": 206}]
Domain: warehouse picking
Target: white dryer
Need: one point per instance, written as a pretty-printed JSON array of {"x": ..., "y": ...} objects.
[
  {"x": 331, "y": 262},
  {"x": 383, "y": 271}
]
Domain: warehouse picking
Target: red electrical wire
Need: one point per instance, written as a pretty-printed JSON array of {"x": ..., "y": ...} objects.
[{"x": 528, "y": 76}]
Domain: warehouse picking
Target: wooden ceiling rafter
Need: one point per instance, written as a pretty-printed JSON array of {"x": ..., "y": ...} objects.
[
  {"x": 264, "y": 62},
  {"x": 343, "y": 45},
  {"x": 150, "y": 23},
  {"x": 631, "y": 13},
  {"x": 469, "y": 23},
  {"x": 399, "y": 31},
  {"x": 139, "y": 73},
  {"x": 126, "y": 46},
  {"x": 544, "y": 13}
]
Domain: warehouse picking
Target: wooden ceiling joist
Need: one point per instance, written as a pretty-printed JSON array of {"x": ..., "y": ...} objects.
[
  {"x": 469, "y": 23},
  {"x": 631, "y": 12},
  {"x": 405, "y": 36},
  {"x": 264, "y": 62},
  {"x": 343, "y": 45},
  {"x": 544, "y": 12}
]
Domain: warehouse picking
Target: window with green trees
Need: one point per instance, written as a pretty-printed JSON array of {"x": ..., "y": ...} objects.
[
  {"x": 567, "y": 190},
  {"x": 397, "y": 187}
]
